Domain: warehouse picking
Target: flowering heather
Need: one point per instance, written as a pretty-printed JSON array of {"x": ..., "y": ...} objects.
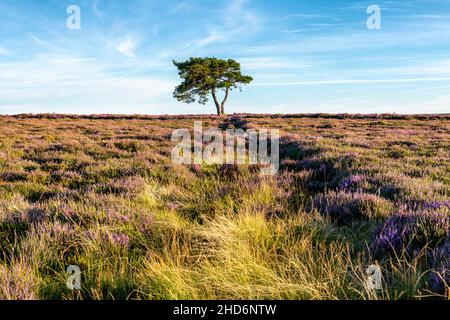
[
  {"x": 101, "y": 192},
  {"x": 115, "y": 216},
  {"x": 410, "y": 233},
  {"x": 175, "y": 206},
  {"x": 17, "y": 283},
  {"x": 353, "y": 182},
  {"x": 345, "y": 207},
  {"x": 294, "y": 149},
  {"x": 196, "y": 168},
  {"x": 120, "y": 239},
  {"x": 62, "y": 235},
  {"x": 286, "y": 184},
  {"x": 439, "y": 278},
  {"x": 436, "y": 205},
  {"x": 230, "y": 171},
  {"x": 36, "y": 215},
  {"x": 128, "y": 187},
  {"x": 11, "y": 176}
]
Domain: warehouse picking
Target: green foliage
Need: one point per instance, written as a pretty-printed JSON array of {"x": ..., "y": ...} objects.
[{"x": 204, "y": 76}]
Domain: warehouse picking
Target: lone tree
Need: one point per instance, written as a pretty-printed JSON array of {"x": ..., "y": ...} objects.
[{"x": 202, "y": 76}]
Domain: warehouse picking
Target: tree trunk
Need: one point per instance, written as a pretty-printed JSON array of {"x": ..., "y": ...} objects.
[
  {"x": 216, "y": 101},
  {"x": 222, "y": 106}
]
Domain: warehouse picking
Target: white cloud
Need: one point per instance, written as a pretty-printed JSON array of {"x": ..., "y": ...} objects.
[
  {"x": 4, "y": 52},
  {"x": 236, "y": 21},
  {"x": 262, "y": 63},
  {"x": 348, "y": 81},
  {"x": 97, "y": 12},
  {"x": 71, "y": 85},
  {"x": 236, "y": 6},
  {"x": 211, "y": 38},
  {"x": 127, "y": 46},
  {"x": 181, "y": 7},
  {"x": 433, "y": 67}
]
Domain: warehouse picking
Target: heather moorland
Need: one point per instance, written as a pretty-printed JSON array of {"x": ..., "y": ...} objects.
[{"x": 101, "y": 192}]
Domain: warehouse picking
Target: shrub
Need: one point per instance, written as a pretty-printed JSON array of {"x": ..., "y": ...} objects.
[
  {"x": 345, "y": 207},
  {"x": 12, "y": 176},
  {"x": 439, "y": 278},
  {"x": 353, "y": 183},
  {"x": 10, "y": 234},
  {"x": 125, "y": 187},
  {"x": 128, "y": 145},
  {"x": 293, "y": 148},
  {"x": 410, "y": 233},
  {"x": 35, "y": 215},
  {"x": 18, "y": 282}
]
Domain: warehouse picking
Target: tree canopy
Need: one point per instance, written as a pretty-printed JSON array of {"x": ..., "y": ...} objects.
[{"x": 204, "y": 76}]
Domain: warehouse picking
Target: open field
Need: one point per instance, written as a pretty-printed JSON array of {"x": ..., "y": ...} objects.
[{"x": 101, "y": 192}]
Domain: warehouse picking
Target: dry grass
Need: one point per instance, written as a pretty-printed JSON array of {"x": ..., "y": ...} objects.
[{"x": 101, "y": 192}]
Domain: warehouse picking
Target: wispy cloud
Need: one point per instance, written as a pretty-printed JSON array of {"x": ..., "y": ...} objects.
[
  {"x": 304, "y": 16},
  {"x": 212, "y": 37},
  {"x": 4, "y": 51},
  {"x": 349, "y": 81},
  {"x": 121, "y": 58},
  {"x": 235, "y": 21},
  {"x": 424, "y": 68},
  {"x": 97, "y": 11},
  {"x": 182, "y": 6},
  {"x": 263, "y": 63},
  {"x": 126, "y": 46},
  {"x": 71, "y": 83}
]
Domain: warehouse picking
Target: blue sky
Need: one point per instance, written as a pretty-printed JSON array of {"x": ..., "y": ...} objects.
[{"x": 305, "y": 56}]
